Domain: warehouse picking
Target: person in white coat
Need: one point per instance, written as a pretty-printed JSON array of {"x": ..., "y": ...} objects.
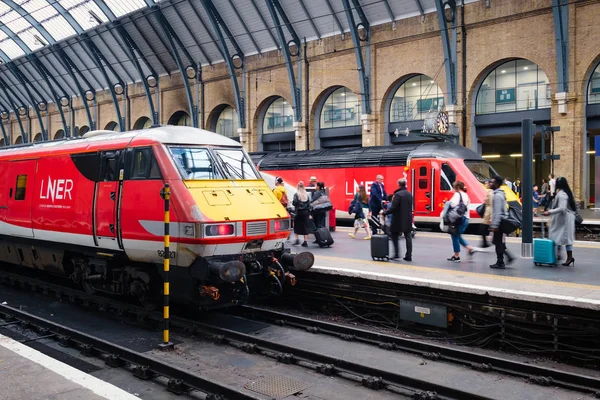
[{"x": 562, "y": 223}]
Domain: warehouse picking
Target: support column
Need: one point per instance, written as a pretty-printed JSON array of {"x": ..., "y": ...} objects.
[
  {"x": 246, "y": 139},
  {"x": 370, "y": 136},
  {"x": 567, "y": 113},
  {"x": 300, "y": 134}
]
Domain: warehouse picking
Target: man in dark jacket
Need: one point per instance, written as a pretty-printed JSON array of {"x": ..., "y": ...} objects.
[
  {"x": 402, "y": 218},
  {"x": 376, "y": 198}
]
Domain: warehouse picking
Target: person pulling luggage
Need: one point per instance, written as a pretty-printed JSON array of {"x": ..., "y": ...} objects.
[
  {"x": 562, "y": 224},
  {"x": 377, "y": 196},
  {"x": 401, "y": 211}
]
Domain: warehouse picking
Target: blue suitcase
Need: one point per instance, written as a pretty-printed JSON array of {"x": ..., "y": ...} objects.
[{"x": 544, "y": 252}]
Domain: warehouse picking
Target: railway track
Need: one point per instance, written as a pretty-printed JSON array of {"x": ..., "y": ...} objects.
[{"x": 397, "y": 382}]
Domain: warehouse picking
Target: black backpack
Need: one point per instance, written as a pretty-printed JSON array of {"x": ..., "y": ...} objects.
[{"x": 514, "y": 218}]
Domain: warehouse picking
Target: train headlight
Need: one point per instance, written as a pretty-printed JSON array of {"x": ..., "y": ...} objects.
[
  {"x": 218, "y": 230},
  {"x": 278, "y": 225}
]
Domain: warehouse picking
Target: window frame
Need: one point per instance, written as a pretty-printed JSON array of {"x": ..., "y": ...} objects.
[
  {"x": 20, "y": 190},
  {"x": 445, "y": 178}
]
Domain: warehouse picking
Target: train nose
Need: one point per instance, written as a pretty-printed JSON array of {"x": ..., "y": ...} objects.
[
  {"x": 230, "y": 271},
  {"x": 300, "y": 262}
]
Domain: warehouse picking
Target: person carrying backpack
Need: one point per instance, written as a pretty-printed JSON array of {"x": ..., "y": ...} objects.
[
  {"x": 499, "y": 213},
  {"x": 458, "y": 217}
]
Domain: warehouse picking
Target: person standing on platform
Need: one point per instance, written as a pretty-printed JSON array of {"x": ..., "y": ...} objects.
[
  {"x": 401, "y": 211},
  {"x": 544, "y": 194},
  {"x": 517, "y": 187},
  {"x": 499, "y": 211},
  {"x": 301, "y": 204},
  {"x": 562, "y": 224},
  {"x": 361, "y": 208},
  {"x": 460, "y": 196},
  {"x": 552, "y": 185},
  {"x": 313, "y": 182},
  {"x": 508, "y": 183},
  {"x": 378, "y": 195},
  {"x": 536, "y": 200},
  {"x": 280, "y": 192},
  {"x": 487, "y": 215},
  {"x": 318, "y": 216}
]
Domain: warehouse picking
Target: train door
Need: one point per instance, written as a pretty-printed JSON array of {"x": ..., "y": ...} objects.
[
  {"x": 20, "y": 193},
  {"x": 4, "y": 171},
  {"x": 106, "y": 200},
  {"x": 423, "y": 193}
]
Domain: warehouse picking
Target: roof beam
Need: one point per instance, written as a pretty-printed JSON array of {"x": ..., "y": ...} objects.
[
  {"x": 34, "y": 102},
  {"x": 15, "y": 38},
  {"x": 112, "y": 52},
  {"x": 32, "y": 21},
  {"x": 310, "y": 18},
  {"x": 388, "y": 8},
  {"x": 43, "y": 71},
  {"x": 335, "y": 17},
  {"x": 154, "y": 51},
  {"x": 560, "y": 11},
  {"x": 262, "y": 18},
  {"x": 421, "y": 9},
  {"x": 364, "y": 68},
  {"x": 277, "y": 11},
  {"x": 66, "y": 15},
  {"x": 448, "y": 45},
  {"x": 6, "y": 89},
  {"x": 186, "y": 26},
  {"x": 219, "y": 26},
  {"x": 237, "y": 14}
]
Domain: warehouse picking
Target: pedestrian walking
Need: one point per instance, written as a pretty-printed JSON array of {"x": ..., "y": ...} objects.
[
  {"x": 459, "y": 201},
  {"x": 378, "y": 195},
  {"x": 401, "y": 211},
  {"x": 301, "y": 204},
  {"x": 499, "y": 212},
  {"x": 562, "y": 223},
  {"x": 487, "y": 215},
  {"x": 361, "y": 212},
  {"x": 552, "y": 186},
  {"x": 544, "y": 194},
  {"x": 536, "y": 200}
]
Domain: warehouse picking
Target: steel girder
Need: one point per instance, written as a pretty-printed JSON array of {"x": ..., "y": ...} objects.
[
  {"x": 49, "y": 79},
  {"x": 151, "y": 47},
  {"x": 4, "y": 134},
  {"x": 73, "y": 72},
  {"x": 219, "y": 26},
  {"x": 310, "y": 18},
  {"x": 264, "y": 22},
  {"x": 239, "y": 17},
  {"x": 7, "y": 93},
  {"x": 364, "y": 68},
  {"x": 277, "y": 11},
  {"x": 34, "y": 102},
  {"x": 560, "y": 10},
  {"x": 172, "y": 38},
  {"x": 421, "y": 10},
  {"x": 449, "y": 45},
  {"x": 335, "y": 17}
]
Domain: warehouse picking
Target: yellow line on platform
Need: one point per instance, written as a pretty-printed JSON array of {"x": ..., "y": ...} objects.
[
  {"x": 439, "y": 235},
  {"x": 455, "y": 272}
]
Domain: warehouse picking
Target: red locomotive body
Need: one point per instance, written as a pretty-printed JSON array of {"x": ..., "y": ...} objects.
[{"x": 90, "y": 209}]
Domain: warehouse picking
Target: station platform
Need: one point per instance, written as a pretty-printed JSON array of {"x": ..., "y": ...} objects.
[
  {"x": 27, "y": 374},
  {"x": 574, "y": 286}
]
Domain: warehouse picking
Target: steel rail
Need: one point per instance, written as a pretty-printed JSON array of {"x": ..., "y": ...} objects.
[
  {"x": 147, "y": 367},
  {"x": 477, "y": 361}
]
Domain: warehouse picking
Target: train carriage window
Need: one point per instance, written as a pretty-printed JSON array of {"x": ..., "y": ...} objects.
[
  {"x": 423, "y": 184},
  {"x": 110, "y": 166},
  {"x": 423, "y": 171},
  {"x": 447, "y": 177},
  {"x": 142, "y": 158},
  {"x": 21, "y": 187}
]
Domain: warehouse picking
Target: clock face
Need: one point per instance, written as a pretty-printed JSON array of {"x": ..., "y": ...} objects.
[{"x": 442, "y": 122}]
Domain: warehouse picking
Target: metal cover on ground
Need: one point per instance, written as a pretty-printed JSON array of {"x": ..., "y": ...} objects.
[{"x": 276, "y": 386}]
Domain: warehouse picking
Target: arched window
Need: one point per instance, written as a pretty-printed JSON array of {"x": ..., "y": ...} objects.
[
  {"x": 180, "y": 118},
  {"x": 227, "y": 123},
  {"x": 142, "y": 123},
  {"x": 516, "y": 85},
  {"x": 19, "y": 140},
  {"x": 414, "y": 98},
  {"x": 112, "y": 126},
  {"x": 60, "y": 134},
  {"x": 83, "y": 130},
  {"x": 38, "y": 137},
  {"x": 594, "y": 88},
  {"x": 342, "y": 108},
  {"x": 279, "y": 117}
]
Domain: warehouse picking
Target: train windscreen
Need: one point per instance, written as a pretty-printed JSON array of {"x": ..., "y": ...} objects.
[
  {"x": 482, "y": 170},
  {"x": 198, "y": 163}
]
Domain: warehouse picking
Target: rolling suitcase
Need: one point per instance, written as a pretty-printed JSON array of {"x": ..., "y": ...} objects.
[
  {"x": 544, "y": 252},
  {"x": 323, "y": 237},
  {"x": 380, "y": 249}
]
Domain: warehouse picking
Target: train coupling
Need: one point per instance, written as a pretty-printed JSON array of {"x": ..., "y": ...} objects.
[
  {"x": 230, "y": 271},
  {"x": 299, "y": 262},
  {"x": 210, "y": 291}
]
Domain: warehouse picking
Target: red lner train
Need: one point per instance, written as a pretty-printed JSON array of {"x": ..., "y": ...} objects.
[
  {"x": 90, "y": 210},
  {"x": 430, "y": 169}
]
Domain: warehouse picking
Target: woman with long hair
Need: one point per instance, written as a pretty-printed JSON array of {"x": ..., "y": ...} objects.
[
  {"x": 460, "y": 196},
  {"x": 301, "y": 204},
  {"x": 361, "y": 201},
  {"x": 562, "y": 222},
  {"x": 318, "y": 215}
]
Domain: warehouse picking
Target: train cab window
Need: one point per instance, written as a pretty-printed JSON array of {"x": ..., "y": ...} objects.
[
  {"x": 110, "y": 167},
  {"x": 447, "y": 177},
  {"x": 21, "y": 187},
  {"x": 143, "y": 165},
  {"x": 423, "y": 171},
  {"x": 195, "y": 163}
]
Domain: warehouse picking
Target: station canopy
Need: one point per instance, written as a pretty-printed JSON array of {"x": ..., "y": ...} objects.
[{"x": 49, "y": 49}]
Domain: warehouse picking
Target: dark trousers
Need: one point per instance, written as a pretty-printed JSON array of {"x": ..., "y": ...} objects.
[
  {"x": 319, "y": 218},
  {"x": 501, "y": 250},
  {"x": 485, "y": 230},
  {"x": 375, "y": 214},
  {"x": 395, "y": 240}
]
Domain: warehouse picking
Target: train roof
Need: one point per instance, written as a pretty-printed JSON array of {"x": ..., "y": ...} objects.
[
  {"x": 104, "y": 140},
  {"x": 398, "y": 155}
]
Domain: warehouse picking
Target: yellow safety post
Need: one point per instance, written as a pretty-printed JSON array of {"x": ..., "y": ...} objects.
[{"x": 165, "y": 193}]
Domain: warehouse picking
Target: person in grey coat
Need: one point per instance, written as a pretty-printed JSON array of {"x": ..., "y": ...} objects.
[
  {"x": 499, "y": 211},
  {"x": 562, "y": 223}
]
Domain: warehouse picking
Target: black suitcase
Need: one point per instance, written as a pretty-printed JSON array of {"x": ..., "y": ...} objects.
[
  {"x": 380, "y": 249},
  {"x": 323, "y": 237}
]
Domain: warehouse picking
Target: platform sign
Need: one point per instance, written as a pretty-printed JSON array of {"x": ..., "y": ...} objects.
[{"x": 597, "y": 166}]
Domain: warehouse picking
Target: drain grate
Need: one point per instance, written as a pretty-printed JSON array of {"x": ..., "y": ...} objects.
[{"x": 277, "y": 387}]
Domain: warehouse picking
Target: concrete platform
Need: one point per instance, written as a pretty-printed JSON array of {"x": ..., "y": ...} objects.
[
  {"x": 27, "y": 374},
  {"x": 577, "y": 286}
]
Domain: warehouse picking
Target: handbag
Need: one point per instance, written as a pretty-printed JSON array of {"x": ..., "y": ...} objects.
[
  {"x": 481, "y": 210},
  {"x": 322, "y": 204},
  {"x": 456, "y": 214},
  {"x": 512, "y": 221},
  {"x": 578, "y": 219}
]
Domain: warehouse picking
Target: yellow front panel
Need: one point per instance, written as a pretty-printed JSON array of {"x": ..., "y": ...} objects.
[{"x": 235, "y": 200}]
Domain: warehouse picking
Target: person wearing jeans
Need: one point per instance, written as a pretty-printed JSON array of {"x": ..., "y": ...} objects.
[{"x": 460, "y": 195}]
